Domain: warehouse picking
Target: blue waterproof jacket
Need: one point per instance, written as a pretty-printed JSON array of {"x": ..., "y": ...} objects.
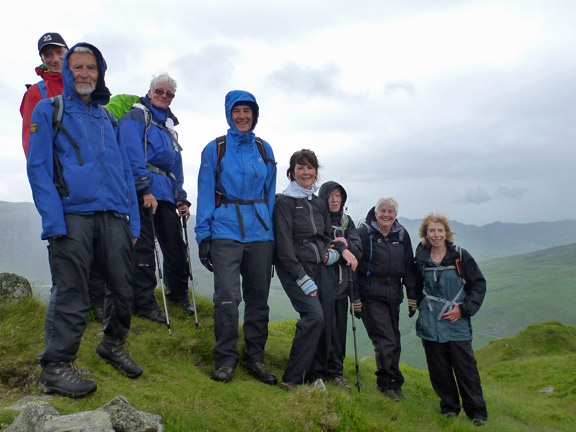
[
  {"x": 161, "y": 152},
  {"x": 244, "y": 176},
  {"x": 103, "y": 182}
]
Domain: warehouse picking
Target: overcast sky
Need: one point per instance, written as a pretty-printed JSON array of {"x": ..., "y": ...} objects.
[{"x": 461, "y": 107}]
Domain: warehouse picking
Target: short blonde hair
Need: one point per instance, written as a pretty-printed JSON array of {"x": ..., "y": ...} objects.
[{"x": 435, "y": 218}]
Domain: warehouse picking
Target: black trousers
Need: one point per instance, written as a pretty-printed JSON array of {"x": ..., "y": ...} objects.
[
  {"x": 251, "y": 262},
  {"x": 381, "y": 321},
  {"x": 175, "y": 265},
  {"x": 454, "y": 373},
  {"x": 309, "y": 328},
  {"x": 102, "y": 240},
  {"x": 338, "y": 345}
]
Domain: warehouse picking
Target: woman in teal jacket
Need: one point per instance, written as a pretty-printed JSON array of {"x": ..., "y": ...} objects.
[
  {"x": 451, "y": 290},
  {"x": 236, "y": 192}
]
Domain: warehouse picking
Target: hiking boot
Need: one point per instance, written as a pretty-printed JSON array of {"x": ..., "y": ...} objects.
[
  {"x": 478, "y": 422},
  {"x": 98, "y": 313},
  {"x": 155, "y": 315},
  {"x": 186, "y": 306},
  {"x": 340, "y": 381},
  {"x": 64, "y": 379},
  {"x": 450, "y": 414},
  {"x": 261, "y": 373},
  {"x": 400, "y": 394},
  {"x": 115, "y": 353},
  {"x": 318, "y": 385},
  {"x": 290, "y": 386},
  {"x": 223, "y": 374},
  {"x": 389, "y": 393}
]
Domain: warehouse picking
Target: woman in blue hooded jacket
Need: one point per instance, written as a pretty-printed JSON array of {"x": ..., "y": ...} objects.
[{"x": 236, "y": 192}]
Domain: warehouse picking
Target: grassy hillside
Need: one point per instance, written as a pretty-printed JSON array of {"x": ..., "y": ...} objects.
[{"x": 176, "y": 381}]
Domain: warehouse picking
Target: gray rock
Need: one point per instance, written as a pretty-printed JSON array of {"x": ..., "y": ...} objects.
[
  {"x": 13, "y": 287},
  {"x": 126, "y": 418},
  {"x": 89, "y": 421},
  {"x": 33, "y": 416},
  {"x": 37, "y": 415}
]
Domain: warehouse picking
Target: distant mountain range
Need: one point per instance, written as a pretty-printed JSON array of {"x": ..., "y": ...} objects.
[{"x": 23, "y": 252}]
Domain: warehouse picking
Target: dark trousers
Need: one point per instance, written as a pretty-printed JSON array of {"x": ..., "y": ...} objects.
[
  {"x": 251, "y": 262},
  {"x": 454, "y": 373},
  {"x": 175, "y": 265},
  {"x": 103, "y": 240},
  {"x": 381, "y": 321},
  {"x": 338, "y": 346},
  {"x": 309, "y": 327}
]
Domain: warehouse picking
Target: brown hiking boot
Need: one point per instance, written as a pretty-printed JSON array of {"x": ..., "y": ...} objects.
[{"x": 261, "y": 372}]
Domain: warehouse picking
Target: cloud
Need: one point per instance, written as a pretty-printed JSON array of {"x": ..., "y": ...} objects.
[{"x": 473, "y": 196}]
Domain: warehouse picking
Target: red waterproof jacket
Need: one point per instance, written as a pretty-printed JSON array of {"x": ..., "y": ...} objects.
[{"x": 54, "y": 87}]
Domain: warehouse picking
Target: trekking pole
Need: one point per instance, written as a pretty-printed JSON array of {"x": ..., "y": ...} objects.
[
  {"x": 185, "y": 226},
  {"x": 160, "y": 275},
  {"x": 351, "y": 280}
]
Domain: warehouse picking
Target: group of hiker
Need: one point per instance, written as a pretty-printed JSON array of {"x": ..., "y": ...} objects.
[{"x": 107, "y": 179}]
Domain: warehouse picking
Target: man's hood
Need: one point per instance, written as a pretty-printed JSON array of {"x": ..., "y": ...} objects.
[
  {"x": 101, "y": 95},
  {"x": 236, "y": 96}
]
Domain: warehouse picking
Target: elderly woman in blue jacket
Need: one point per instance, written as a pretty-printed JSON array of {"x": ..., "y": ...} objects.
[
  {"x": 156, "y": 161},
  {"x": 451, "y": 290},
  {"x": 236, "y": 192}
]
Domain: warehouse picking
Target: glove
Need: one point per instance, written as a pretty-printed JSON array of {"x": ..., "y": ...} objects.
[
  {"x": 204, "y": 253},
  {"x": 357, "y": 308},
  {"x": 332, "y": 256},
  {"x": 411, "y": 307},
  {"x": 307, "y": 285}
]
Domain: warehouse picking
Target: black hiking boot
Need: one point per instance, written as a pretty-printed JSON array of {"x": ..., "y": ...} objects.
[
  {"x": 115, "y": 353},
  {"x": 389, "y": 393},
  {"x": 154, "y": 315},
  {"x": 261, "y": 373},
  {"x": 64, "y": 379},
  {"x": 186, "y": 306},
  {"x": 223, "y": 374}
]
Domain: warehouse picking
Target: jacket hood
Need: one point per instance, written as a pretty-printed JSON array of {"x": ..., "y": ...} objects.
[
  {"x": 233, "y": 98},
  {"x": 101, "y": 94},
  {"x": 324, "y": 193}
]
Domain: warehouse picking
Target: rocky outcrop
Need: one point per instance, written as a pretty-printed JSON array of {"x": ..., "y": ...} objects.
[
  {"x": 13, "y": 287},
  {"x": 37, "y": 415}
]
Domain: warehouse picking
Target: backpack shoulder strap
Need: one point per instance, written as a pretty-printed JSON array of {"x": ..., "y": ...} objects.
[
  {"x": 401, "y": 234},
  {"x": 58, "y": 104},
  {"x": 220, "y": 150},
  {"x": 42, "y": 88},
  {"x": 344, "y": 222},
  {"x": 262, "y": 150},
  {"x": 110, "y": 116}
]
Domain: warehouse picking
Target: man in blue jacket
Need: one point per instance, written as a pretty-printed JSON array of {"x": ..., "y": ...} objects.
[
  {"x": 82, "y": 186},
  {"x": 236, "y": 192}
]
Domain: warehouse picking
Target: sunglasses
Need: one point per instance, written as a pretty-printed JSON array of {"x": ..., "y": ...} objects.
[{"x": 161, "y": 92}]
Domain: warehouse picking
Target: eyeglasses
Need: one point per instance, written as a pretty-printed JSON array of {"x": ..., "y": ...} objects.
[{"x": 161, "y": 92}]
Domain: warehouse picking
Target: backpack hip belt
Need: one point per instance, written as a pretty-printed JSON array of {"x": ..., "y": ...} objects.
[{"x": 237, "y": 204}]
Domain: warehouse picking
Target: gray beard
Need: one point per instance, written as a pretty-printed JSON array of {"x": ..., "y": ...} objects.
[{"x": 85, "y": 91}]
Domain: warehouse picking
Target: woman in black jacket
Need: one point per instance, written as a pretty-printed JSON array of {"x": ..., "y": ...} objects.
[
  {"x": 387, "y": 264},
  {"x": 303, "y": 234}
]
